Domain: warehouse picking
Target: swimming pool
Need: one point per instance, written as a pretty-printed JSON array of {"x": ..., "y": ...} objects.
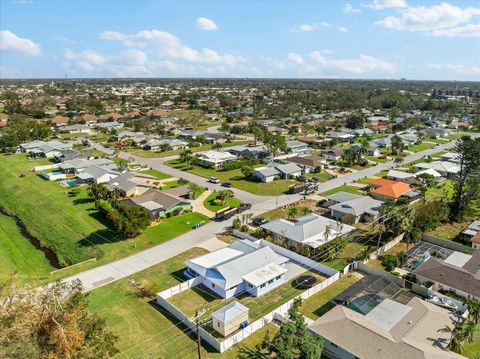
[
  {"x": 55, "y": 173},
  {"x": 70, "y": 183}
]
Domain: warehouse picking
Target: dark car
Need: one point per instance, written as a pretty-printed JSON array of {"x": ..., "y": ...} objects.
[
  {"x": 302, "y": 178},
  {"x": 313, "y": 179},
  {"x": 227, "y": 185},
  {"x": 259, "y": 221},
  {"x": 245, "y": 207}
]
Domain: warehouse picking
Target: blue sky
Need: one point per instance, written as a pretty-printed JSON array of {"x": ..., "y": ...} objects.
[{"x": 312, "y": 39}]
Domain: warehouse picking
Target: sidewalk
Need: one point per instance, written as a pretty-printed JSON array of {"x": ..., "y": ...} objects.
[{"x": 198, "y": 206}]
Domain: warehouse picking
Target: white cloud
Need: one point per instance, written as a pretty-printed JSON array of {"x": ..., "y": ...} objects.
[
  {"x": 438, "y": 20},
  {"x": 304, "y": 28},
  {"x": 387, "y": 4},
  {"x": 363, "y": 64},
  {"x": 325, "y": 24},
  {"x": 12, "y": 43},
  {"x": 467, "y": 72},
  {"x": 294, "y": 58},
  {"x": 317, "y": 64},
  {"x": 170, "y": 46},
  {"x": 350, "y": 9},
  {"x": 343, "y": 29},
  {"x": 206, "y": 24}
]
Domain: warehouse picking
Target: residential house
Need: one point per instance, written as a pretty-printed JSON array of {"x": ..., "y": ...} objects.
[
  {"x": 308, "y": 163},
  {"x": 333, "y": 154},
  {"x": 363, "y": 208},
  {"x": 472, "y": 232},
  {"x": 78, "y": 128},
  {"x": 68, "y": 154},
  {"x": 450, "y": 157},
  {"x": 243, "y": 267},
  {"x": 277, "y": 130},
  {"x": 89, "y": 119},
  {"x": 129, "y": 134},
  {"x": 132, "y": 183},
  {"x": 49, "y": 149},
  {"x": 390, "y": 330},
  {"x": 341, "y": 136},
  {"x": 383, "y": 142},
  {"x": 258, "y": 151},
  {"x": 446, "y": 168},
  {"x": 155, "y": 144},
  {"x": 358, "y": 131},
  {"x": 78, "y": 165},
  {"x": 387, "y": 190},
  {"x": 288, "y": 170},
  {"x": 297, "y": 147},
  {"x": 339, "y": 197},
  {"x": 460, "y": 125},
  {"x": 265, "y": 174},
  {"x": 311, "y": 230},
  {"x": 216, "y": 158},
  {"x": 160, "y": 204},
  {"x": 457, "y": 273},
  {"x": 433, "y": 132},
  {"x": 109, "y": 125},
  {"x": 59, "y": 121},
  {"x": 96, "y": 174}
]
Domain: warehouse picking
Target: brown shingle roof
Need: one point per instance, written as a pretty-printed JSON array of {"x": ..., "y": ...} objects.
[{"x": 152, "y": 195}]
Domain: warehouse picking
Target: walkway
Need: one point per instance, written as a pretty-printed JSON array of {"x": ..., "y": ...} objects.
[{"x": 198, "y": 206}]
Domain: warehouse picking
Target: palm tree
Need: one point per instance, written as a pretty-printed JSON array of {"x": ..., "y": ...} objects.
[
  {"x": 292, "y": 212},
  {"x": 457, "y": 337},
  {"x": 473, "y": 310},
  {"x": 470, "y": 331},
  {"x": 216, "y": 146},
  {"x": 397, "y": 143},
  {"x": 327, "y": 232}
]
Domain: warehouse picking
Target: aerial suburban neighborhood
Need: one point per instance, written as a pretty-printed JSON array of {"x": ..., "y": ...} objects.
[{"x": 193, "y": 216}]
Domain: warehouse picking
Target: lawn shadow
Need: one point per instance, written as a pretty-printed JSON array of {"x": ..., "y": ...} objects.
[
  {"x": 179, "y": 324},
  {"x": 82, "y": 201},
  {"x": 179, "y": 275},
  {"x": 323, "y": 309},
  {"x": 101, "y": 236},
  {"x": 100, "y": 217}
]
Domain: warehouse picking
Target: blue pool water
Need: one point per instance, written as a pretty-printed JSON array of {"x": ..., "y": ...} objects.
[
  {"x": 55, "y": 173},
  {"x": 70, "y": 183}
]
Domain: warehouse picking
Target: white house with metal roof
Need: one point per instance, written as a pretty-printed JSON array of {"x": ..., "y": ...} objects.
[
  {"x": 243, "y": 266},
  {"x": 311, "y": 230}
]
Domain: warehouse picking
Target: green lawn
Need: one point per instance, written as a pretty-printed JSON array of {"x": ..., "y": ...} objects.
[
  {"x": 349, "y": 189},
  {"x": 303, "y": 207},
  {"x": 191, "y": 299},
  {"x": 381, "y": 174},
  {"x": 365, "y": 180},
  {"x": 420, "y": 147},
  {"x": 229, "y": 202},
  {"x": 472, "y": 350},
  {"x": 315, "y": 306},
  {"x": 237, "y": 179},
  {"x": 438, "y": 140},
  {"x": 377, "y": 159},
  {"x": 345, "y": 256},
  {"x": 322, "y": 176},
  {"x": 68, "y": 225},
  {"x": 439, "y": 154},
  {"x": 155, "y": 173},
  {"x": 18, "y": 255},
  {"x": 71, "y": 226}
]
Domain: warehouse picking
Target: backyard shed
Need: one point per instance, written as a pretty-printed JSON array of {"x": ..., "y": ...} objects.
[{"x": 228, "y": 319}]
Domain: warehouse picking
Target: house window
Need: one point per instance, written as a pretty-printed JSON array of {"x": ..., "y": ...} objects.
[
  {"x": 278, "y": 278},
  {"x": 270, "y": 281},
  {"x": 263, "y": 285},
  {"x": 251, "y": 286},
  {"x": 218, "y": 324},
  {"x": 213, "y": 285}
]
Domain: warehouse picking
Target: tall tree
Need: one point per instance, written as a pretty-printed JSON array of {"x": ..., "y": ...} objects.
[
  {"x": 465, "y": 181},
  {"x": 355, "y": 120},
  {"x": 292, "y": 339},
  {"x": 51, "y": 323}
]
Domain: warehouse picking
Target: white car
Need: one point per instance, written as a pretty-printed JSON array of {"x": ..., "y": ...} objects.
[
  {"x": 214, "y": 180},
  {"x": 135, "y": 168}
]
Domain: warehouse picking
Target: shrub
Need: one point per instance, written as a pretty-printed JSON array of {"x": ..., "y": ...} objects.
[
  {"x": 390, "y": 262},
  {"x": 348, "y": 219},
  {"x": 217, "y": 202}
]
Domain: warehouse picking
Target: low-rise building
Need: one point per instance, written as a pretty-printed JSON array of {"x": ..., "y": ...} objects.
[
  {"x": 363, "y": 208},
  {"x": 241, "y": 267},
  {"x": 216, "y": 158},
  {"x": 311, "y": 230},
  {"x": 160, "y": 204}
]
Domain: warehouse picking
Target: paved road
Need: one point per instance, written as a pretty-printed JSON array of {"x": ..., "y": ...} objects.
[{"x": 204, "y": 236}]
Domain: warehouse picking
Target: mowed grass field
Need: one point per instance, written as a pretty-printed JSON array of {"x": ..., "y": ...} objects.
[
  {"x": 71, "y": 226},
  {"x": 68, "y": 225},
  {"x": 18, "y": 255}
]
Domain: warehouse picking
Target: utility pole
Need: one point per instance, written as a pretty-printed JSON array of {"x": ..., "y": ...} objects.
[{"x": 198, "y": 313}]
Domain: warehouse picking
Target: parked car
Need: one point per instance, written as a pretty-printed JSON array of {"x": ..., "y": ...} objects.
[
  {"x": 302, "y": 178},
  {"x": 213, "y": 180},
  {"x": 244, "y": 207},
  {"x": 227, "y": 185},
  {"x": 259, "y": 221},
  {"x": 313, "y": 179},
  {"x": 135, "y": 168}
]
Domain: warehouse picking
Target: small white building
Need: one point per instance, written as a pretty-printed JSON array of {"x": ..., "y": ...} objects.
[
  {"x": 229, "y": 319},
  {"x": 216, "y": 158}
]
